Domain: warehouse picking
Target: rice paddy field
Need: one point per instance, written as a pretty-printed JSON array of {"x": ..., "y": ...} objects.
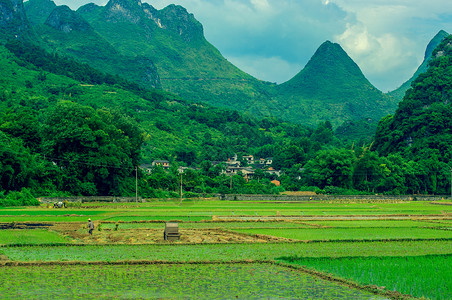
[{"x": 229, "y": 249}]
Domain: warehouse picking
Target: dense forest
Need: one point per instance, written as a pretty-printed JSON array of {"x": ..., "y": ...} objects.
[{"x": 69, "y": 129}]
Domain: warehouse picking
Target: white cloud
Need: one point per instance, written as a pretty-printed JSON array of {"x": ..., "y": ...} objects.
[
  {"x": 383, "y": 58},
  {"x": 261, "y": 5},
  {"x": 386, "y": 38}
]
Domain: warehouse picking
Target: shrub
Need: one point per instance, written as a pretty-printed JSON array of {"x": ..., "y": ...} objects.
[
  {"x": 334, "y": 190},
  {"x": 22, "y": 198}
]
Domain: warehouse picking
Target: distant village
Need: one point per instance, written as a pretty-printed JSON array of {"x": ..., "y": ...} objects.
[{"x": 233, "y": 166}]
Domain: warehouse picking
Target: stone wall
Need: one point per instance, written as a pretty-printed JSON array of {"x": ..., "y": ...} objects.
[
  {"x": 288, "y": 198},
  {"x": 90, "y": 199}
]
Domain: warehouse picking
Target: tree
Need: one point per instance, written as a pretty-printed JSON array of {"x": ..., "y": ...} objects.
[
  {"x": 289, "y": 156},
  {"x": 369, "y": 171},
  {"x": 333, "y": 167},
  {"x": 94, "y": 149}
]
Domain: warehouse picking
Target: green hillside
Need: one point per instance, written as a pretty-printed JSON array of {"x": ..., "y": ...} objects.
[
  {"x": 167, "y": 48},
  {"x": 173, "y": 39},
  {"x": 420, "y": 129},
  {"x": 66, "y": 126},
  {"x": 332, "y": 87},
  {"x": 13, "y": 21},
  {"x": 66, "y": 32},
  {"x": 38, "y": 11},
  {"x": 400, "y": 92}
]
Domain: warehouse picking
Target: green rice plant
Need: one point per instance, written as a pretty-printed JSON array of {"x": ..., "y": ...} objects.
[
  {"x": 35, "y": 236},
  {"x": 49, "y": 212},
  {"x": 63, "y": 218},
  {"x": 421, "y": 276},
  {"x": 327, "y": 234},
  {"x": 374, "y": 223},
  {"x": 175, "y": 281},
  {"x": 225, "y": 252}
]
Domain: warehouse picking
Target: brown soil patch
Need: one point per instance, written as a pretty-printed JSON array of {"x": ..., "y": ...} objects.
[
  {"x": 3, "y": 258},
  {"x": 79, "y": 232}
]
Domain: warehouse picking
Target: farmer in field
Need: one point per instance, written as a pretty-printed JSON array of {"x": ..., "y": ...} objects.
[{"x": 90, "y": 226}]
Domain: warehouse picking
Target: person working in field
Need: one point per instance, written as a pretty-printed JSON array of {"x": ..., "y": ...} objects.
[{"x": 90, "y": 226}]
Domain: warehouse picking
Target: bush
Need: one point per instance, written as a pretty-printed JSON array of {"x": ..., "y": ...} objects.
[
  {"x": 77, "y": 204},
  {"x": 22, "y": 198},
  {"x": 191, "y": 195},
  {"x": 334, "y": 190}
]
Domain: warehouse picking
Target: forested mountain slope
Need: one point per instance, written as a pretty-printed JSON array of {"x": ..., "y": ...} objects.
[
  {"x": 66, "y": 127},
  {"x": 166, "y": 48},
  {"x": 13, "y": 21},
  {"x": 422, "y": 125},
  {"x": 76, "y": 129},
  {"x": 155, "y": 48},
  {"x": 400, "y": 92},
  {"x": 332, "y": 86}
]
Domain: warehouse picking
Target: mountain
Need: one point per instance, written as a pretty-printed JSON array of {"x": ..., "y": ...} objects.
[
  {"x": 67, "y": 32},
  {"x": 13, "y": 21},
  {"x": 332, "y": 86},
  {"x": 62, "y": 18},
  {"x": 400, "y": 91},
  {"x": 65, "y": 126},
  {"x": 421, "y": 126},
  {"x": 38, "y": 11},
  {"x": 167, "y": 49},
  {"x": 173, "y": 39},
  {"x": 155, "y": 48}
]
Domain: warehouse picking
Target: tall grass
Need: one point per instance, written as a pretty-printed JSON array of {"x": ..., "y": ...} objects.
[
  {"x": 168, "y": 281},
  {"x": 35, "y": 236},
  {"x": 420, "y": 276}
]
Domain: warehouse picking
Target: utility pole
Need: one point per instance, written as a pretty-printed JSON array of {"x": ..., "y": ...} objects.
[
  {"x": 180, "y": 188},
  {"x": 136, "y": 184}
]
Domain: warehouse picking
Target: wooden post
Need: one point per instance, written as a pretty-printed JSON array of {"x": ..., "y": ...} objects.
[
  {"x": 181, "y": 188},
  {"x": 136, "y": 184}
]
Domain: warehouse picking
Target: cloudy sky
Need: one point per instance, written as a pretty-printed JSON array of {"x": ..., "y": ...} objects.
[{"x": 274, "y": 39}]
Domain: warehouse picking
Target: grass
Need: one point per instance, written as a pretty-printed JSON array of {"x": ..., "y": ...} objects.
[
  {"x": 35, "y": 236},
  {"x": 380, "y": 223},
  {"x": 63, "y": 218},
  {"x": 224, "y": 252},
  {"x": 420, "y": 276},
  {"x": 344, "y": 242},
  {"x": 51, "y": 212},
  {"x": 162, "y": 281},
  {"x": 326, "y": 234},
  {"x": 204, "y": 210}
]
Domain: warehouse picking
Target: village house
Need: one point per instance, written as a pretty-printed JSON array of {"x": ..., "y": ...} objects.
[
  {"x": 233, "y": 166},
  {"x": 146, "y": 168},
  {"x": 163, "y": 163},
  {"x": 249, "y": 159}
]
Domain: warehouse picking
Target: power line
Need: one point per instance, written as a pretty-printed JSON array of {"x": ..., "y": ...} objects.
[{"x": 86, "y": 163}]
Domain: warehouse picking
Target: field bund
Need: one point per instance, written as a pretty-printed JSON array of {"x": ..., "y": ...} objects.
[{"x": 229, "y": 249}]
